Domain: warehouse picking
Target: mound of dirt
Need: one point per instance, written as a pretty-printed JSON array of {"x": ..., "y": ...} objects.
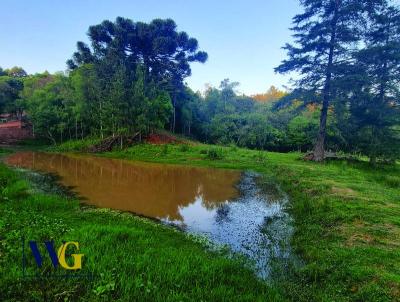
[
  {"x": 162, "y": 138},
  {"x": 109, "y": 143}
]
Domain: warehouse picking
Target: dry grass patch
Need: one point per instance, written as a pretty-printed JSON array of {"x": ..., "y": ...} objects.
[{"x": 347, "y": 192}]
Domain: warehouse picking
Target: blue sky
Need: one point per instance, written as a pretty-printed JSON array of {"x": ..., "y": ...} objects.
[{"x": 242, "y": 38}]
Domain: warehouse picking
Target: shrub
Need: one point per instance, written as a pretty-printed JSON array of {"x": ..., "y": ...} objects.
[
  {"x": 184, "y": 148},
  {"x": 260, "y": 157},
  {"x": 75, "y": 145},
  {"x": 215, "y": 154},
  {"x": 164, "y": 150},
  {"x": 233, "y": 148}
]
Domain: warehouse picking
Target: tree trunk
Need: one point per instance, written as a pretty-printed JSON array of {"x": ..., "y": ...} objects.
[
  {"x": 174, "y": 118},
  {"x": 51, "y": 137},
  {"x": 372, "y": 160},
  {"x": 101, "y": 122},
  {"x": 319, "y": 148},
  {"x": 76, "y": 128}
]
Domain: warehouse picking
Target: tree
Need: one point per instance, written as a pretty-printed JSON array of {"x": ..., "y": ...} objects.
[
  {"x": 150, "y": 107},
  {"x": 272, "y": 94},
  {"x": 301, "y": 131},
  {"x": 374, "y": 108},
  {"x": 325, "y": 34},
  {"x": 16, "y": 72},
  {"x": 164, "y": 53},
  {"x": 49, "y": 106},
  {"x": 9, "y": 94},
  {"x": 157, "y": 45}
]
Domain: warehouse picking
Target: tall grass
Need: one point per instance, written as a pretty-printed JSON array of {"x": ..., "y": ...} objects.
[{"x": 75, "y": 145}]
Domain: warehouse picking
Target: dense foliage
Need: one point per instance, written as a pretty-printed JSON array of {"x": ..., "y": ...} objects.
[
  {"x": 346, "y": 53},
  {"x": 130, "y": 82},
  {"x": 11, "y": 85},
  {"x": 127, "y": 83}
]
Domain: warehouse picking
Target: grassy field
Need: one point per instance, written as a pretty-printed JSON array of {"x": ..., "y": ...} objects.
[{"x": 347, "y": 231}]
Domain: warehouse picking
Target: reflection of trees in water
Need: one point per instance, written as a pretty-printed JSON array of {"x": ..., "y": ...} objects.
[
  {"x": 150, "y": 189},
  {"x": 223, "y": 213}
]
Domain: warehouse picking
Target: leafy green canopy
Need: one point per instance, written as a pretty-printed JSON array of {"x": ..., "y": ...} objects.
[
  {"x": 132, "y": 73},
  {"x": 11, "y": 84},
  {"x": 158, "y": 46}
]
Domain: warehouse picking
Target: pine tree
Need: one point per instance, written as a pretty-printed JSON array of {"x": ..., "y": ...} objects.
[
  {"x": 326, "y": 34},
  {"x": 375, "y": 105}
]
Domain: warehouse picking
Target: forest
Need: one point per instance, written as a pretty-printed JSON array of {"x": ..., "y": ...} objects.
[{"x": 130, "y": 81}]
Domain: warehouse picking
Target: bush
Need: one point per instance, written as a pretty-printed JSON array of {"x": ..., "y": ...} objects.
[
  {"x": 75, "y": 145},
  {"x": 261, "y": 156},
  {"x": 215, "y": 154},
  {"x": 11, "y": 186},
  {"x": 164, "y": 150},
  {"x": 6, "y": 176},
  {"x": 233, "y": 147},
  {"x": 184, "y": 148}
]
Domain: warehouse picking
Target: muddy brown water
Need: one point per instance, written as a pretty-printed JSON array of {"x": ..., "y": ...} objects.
[{"x": 224, "y": 205}]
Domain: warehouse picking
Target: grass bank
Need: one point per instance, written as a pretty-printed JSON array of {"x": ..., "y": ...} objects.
[
  {"x": 347, "y": 217},
  {"x": 129, "y": 258}
]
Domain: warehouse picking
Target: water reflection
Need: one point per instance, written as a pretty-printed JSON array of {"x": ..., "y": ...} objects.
[
  {"x": 251, "y": 225},
  {"x": 153, "y": 190},
  {"x": 221, "y": 204}
]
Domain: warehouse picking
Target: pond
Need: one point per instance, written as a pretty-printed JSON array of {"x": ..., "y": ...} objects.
[{"x": 226, "y": 206}]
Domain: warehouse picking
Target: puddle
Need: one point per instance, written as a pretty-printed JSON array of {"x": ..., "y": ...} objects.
[{"x": 226, "y": 206}]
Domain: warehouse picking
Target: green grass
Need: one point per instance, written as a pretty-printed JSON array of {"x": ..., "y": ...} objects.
[
  {"x": 75, "y": 145},
  {"x": 347, "y": 218},
  {"x": 130, "y": 257},
  {"x": 4, "y": 151}
]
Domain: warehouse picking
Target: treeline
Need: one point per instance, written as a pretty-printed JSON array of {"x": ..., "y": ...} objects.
[
  {"x": 74, "y": 106},
  {"x": 130, "y": 81}
]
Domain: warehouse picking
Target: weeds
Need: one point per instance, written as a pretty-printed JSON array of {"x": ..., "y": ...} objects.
[
  {"x": 75, "y": 145},
  {"x": 184, "y": 148},
  {"x": 215, "y": 154},
  {"x": 164, "y": 150}
]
